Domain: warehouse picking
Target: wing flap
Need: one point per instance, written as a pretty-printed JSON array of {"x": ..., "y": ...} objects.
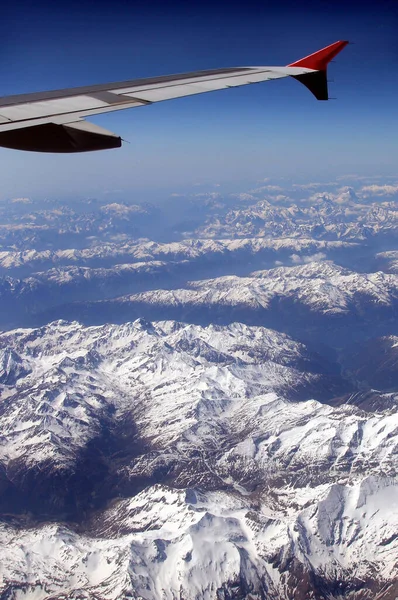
[{"x": 45, "y": 108}]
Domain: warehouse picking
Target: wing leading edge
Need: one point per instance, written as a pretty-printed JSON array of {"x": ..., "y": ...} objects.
[{"x": 54, "y": 121}]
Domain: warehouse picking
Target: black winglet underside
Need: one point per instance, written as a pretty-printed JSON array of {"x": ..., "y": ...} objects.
[{"x": 316, "y": 82}]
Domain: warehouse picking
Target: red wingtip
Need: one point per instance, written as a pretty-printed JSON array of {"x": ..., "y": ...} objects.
[{"x": 319, "y": 60}]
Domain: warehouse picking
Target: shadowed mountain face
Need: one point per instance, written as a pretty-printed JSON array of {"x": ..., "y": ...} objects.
[
  {"x": 145, "y": 439},
  {"x": 216, "y": 414},
  {"x": 81, "y": 394},
  {"x": 374, "y": 362}
]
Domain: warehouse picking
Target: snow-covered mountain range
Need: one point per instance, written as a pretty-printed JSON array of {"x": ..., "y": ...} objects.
[
  {"x": 192, "y": 250},
  {"x": 163, "y": 460},
  {"x": 316, "y": 301}
]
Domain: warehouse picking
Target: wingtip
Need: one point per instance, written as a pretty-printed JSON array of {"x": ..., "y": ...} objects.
[{"x": 318, "y": 61}]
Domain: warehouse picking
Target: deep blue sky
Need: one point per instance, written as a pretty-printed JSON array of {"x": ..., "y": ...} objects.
[{"x": 234, "y": 136}]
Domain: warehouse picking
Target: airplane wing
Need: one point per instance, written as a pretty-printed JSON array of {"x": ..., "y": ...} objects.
[{"x": 54, "y": 121}]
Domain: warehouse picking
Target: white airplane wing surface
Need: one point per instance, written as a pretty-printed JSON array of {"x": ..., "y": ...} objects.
[{"x": 54, "y": 121}]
